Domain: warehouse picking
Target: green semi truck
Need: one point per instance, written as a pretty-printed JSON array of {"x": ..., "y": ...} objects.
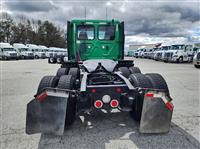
[{"x": 97, "y": 77}]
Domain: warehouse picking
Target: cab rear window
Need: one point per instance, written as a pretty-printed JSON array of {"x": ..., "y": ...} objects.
[
  {"x": 106, "y": 32},
  {"x": 85, "y": 32}
]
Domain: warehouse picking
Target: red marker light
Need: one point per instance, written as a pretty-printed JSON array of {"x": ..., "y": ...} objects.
[
  {"x": 42, "y": 96},
  {"x": 93, "y": 90},
  {"x": 98, "y": 104},
  {"x": 149, "y": 95},
  {"x": 114, "y": 103},
  {"x": 119, "y": 90},
  {"x": 170, "y": 106}
]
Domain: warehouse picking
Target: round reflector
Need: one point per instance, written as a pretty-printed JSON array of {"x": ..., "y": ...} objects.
[
  {"x": 98, "y": 104},
  {"x": 114, "y": 103}
]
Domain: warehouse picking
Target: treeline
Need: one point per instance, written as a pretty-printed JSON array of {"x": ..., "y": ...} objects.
[{"x": 31, "y": 31}]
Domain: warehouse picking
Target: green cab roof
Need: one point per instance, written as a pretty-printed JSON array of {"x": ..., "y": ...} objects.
[{"x": 95, "y": 21}]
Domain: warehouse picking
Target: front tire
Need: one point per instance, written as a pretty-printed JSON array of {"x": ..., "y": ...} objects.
[
  {"x": 180, "y": 60},
  {"x": 22, "y": 57},
  {"x": 197, "y": 66}
]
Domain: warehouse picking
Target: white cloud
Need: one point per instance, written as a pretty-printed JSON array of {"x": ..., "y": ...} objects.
[{"x": 145, "y": 21}]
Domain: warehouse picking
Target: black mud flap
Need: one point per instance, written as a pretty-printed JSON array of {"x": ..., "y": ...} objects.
[
  {"x": 47, "y": 115},
  {"x": 156, "y": 113}
]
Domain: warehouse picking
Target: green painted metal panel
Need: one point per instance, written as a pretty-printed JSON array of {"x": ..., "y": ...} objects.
[{"x": 95, "y": 39}]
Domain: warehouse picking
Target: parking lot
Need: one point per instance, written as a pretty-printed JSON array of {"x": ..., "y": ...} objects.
[{"x": 19, "y": 81}]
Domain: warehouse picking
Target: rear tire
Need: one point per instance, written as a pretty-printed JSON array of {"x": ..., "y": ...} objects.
[
  {"x": 134, "y": 70},
  {"x": 125, "y": 71},
  {"x": 61, "y": 71},
  {"x": 157, "y": 82},
  {"x": 47, "y": 81},
  {"x": 67, "y": 82},
  {"x": 75, "y": 72},
  {"x": 139, "y": 80}
]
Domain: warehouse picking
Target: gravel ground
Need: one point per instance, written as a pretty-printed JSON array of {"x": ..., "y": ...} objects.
[{"x": 19, "y": 80}]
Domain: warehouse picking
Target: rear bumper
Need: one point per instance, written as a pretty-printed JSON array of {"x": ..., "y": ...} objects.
[{"x": 47, "y": 112}]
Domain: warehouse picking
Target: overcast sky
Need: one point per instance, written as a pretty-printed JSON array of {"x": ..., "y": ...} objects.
[{"x": 146, "y": 21}]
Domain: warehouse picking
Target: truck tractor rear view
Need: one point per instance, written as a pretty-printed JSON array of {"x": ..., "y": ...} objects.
[{"x": 97, "y": 77}]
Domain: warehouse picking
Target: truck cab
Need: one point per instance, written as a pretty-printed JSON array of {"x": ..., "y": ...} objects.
[
  {"x": 45, "y": 50},
  {"x": 23, "y": 51},
  {"x": 95, "y": 39},
  {"x": 7, "y": 52},
  {"x": 38, "y": 53},
  {"x": 162, "y": 52},
  {"x": 136, "y": 53},
  {"x": 179, "y": 53}
]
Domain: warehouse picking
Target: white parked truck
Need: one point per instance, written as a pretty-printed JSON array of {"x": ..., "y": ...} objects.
[
  {"x": 162, "y": 52},
  {"x": 136, "y": 53},
  {"x": 48, "y": 53},
  {"x": 152, "y": 53},
  {"x": 54, "y": 55},
  {"x": 38, "y": 53},
  {"x": 7, "y": 52},
  {"x": 23, "y": 51},
  {"x": 147, "y": 53},
  {"x": 196, "y": 59},
  {"x": 156, "y": 54},
  {"x": 179, "y": 53}
]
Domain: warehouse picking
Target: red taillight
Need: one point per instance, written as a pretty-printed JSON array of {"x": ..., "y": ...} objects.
[
  {"x": 118, "y": 90},
  {"x": 42, "y": 96},
  {"x": 149, "y": 95},
  {"x": 93, "y": 90},
  {"x": 98, "y": 104},
  {"x": 114, "y": 103}
]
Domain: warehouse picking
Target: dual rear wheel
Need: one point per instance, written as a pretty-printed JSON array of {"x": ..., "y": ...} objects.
[
  {"x": 62, "y": 82},
  {"x": 150, "y": 80},
  {"x": 139, "y": 80},
  {"x": 126, "y": 72}
]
